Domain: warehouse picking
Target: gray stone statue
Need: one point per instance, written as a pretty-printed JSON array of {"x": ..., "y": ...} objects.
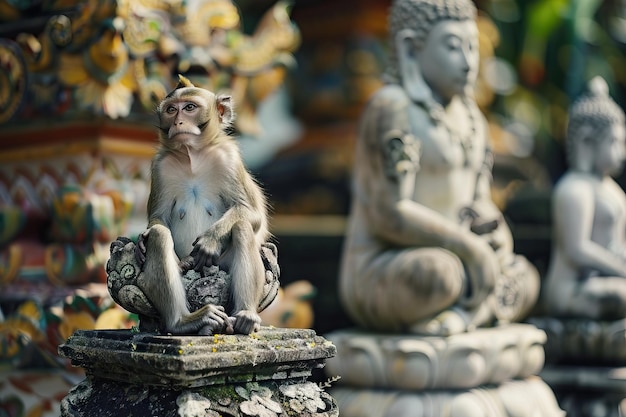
[
  {"x": 584, "y": 292},
  {"x": 587, "y": 274},
  {"x": 428, "y": 263},
  {"x": 427, "y": 250}
]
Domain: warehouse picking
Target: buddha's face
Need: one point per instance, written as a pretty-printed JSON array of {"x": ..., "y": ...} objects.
[
  {"x": 449, "y": 58},
  {"x": 611, "y": 150}
]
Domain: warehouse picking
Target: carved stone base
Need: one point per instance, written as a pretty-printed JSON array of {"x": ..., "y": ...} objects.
[
  {"x": 577, "y": 340},
  {"x": 465, "y": 360},
  {"x": 140, "y": 374},
  {"x": 531, "y": 397},
  {"x": 212, "y": 286}
]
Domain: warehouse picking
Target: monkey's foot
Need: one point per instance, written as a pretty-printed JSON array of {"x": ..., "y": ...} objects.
[
  {"x": 210, "y": 330},
  {"x": 205, "y": 331},
  {"x": 246, "y": 322}
]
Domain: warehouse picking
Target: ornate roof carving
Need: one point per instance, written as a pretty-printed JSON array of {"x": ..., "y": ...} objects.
[{"x": 71, "y": 59}]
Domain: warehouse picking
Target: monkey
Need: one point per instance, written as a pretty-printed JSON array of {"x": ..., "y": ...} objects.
[{"x": 204, "y": 208}]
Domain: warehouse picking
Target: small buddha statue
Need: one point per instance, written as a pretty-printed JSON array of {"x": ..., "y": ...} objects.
[
  {"x": 587, "y": 273},
  {"x": 427, "y": 251}
]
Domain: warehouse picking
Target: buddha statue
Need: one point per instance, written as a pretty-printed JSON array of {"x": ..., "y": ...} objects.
[
  {"x": 427, "y": 251},
  {"x": 587, "y": 273}
]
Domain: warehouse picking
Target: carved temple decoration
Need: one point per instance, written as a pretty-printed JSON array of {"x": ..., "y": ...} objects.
[
  {"x": 117, "y": 59},
  {"x": 210, "y": 286}
]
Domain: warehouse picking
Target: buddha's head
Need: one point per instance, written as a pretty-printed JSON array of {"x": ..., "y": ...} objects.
[
  {"x": 595, "y": 131},
  {"x": 435, "y": 43}
]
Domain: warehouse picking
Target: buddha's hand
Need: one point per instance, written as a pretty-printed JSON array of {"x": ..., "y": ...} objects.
[
  {"x": 482, "y": 270},
  {"x": 501, "y": 240},
  {"x": 487, "y": 222}
]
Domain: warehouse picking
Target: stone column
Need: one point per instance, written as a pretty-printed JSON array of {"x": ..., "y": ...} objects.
[{"x": 141, "y": 374}]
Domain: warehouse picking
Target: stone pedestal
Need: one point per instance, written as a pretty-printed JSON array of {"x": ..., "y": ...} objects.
[
  {"x": 484, "y": 372},
  {"x": 141, "y": 374},
  {"x": 586, "y": 365}
]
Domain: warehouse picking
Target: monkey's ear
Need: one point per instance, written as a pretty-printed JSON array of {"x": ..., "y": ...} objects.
[
  {"x": 225, "y": 110},
  {"x": 183, "y": 82}
]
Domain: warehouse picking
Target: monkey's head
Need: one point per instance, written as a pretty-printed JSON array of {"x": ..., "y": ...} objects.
[{"x": 193, "y": 117}]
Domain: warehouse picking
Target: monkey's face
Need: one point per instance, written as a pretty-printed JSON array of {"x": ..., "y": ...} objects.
[
  {"x": 192, "y": 116},
  {"x": 182, "y": 117}
]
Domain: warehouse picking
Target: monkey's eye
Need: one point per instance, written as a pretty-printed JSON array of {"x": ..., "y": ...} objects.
[
  {"x": 189, "y": 107},
  {"x": 170, "y": 109}
]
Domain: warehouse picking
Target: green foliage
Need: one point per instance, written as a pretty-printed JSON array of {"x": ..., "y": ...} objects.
[{"x": 555, "y": 47}]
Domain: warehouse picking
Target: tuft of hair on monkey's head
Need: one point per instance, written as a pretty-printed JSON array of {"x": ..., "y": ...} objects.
[
  {"x": 205, "y": 114},
  {"x": 183, "y": 82}
]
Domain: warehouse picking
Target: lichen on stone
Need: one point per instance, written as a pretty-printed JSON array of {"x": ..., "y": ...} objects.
[
  {"x": 303, "y": 397},
  {"x": 191, "y": 404},
  {"x": 258, "y": 402}
]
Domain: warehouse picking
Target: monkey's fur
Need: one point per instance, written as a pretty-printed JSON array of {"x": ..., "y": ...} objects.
[{"x": 204, "y": 209}]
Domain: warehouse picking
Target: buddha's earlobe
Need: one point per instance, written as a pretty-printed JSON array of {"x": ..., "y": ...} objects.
[
  {"x": 408, "y": 65},
  {"x": 584, "y": 152}
]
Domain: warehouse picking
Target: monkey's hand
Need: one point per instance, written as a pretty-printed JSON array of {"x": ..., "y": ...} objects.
[
  {"x": 214, "y": 319},
  {"x": 186, "y": 264},
  {"x": 246, "y": 322},
  {"x": 140, "y": 248},
  {"x": 206, "y": 252}
]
